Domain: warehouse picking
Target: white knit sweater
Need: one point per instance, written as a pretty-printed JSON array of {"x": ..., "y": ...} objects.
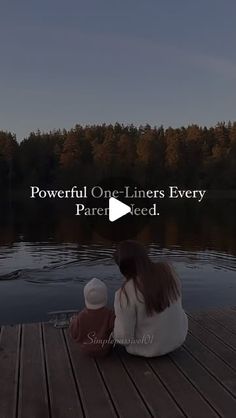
[{"x": 144, "y": 335}]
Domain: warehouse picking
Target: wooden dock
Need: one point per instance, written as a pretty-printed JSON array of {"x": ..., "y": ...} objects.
[{"x": 43, "y": 375}]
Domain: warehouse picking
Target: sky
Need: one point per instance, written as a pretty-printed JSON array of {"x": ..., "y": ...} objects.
[{"x": 162, "y": 62}]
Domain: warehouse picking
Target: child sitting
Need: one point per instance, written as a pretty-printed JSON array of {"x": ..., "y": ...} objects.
[{"x": 92, "y": 327}]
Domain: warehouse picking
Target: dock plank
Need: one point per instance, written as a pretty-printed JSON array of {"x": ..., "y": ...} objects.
[
  {"x": 220, "y": 399},
  {"x": 44, "y": 374},
  {"x": 210, "y": 324},
  {"x": 225, "y": 319},
  {"x": 213, "y": 343},
  {"x": 230, "y": 314},
  {"x": 33, "y": 396},
  {"x": 159, "y": 401},
  {"x": 181, "y": 389},
  {"x": 224, "y": 373},
  {"x": 93, "y": 392},
  {"x": 9, "y": 364},
  {"x": 122, "y": 391},
  {"x": 64, "y": 399}
]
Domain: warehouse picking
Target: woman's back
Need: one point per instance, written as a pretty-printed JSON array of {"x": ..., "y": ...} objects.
[
  {"x": 150, "y": 320},
  {"x": 149, "y": 335}
]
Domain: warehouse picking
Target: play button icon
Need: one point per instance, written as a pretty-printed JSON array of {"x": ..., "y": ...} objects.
[
  {"x": 111, "y": 223},
  {"x": 117, "y": 209}
]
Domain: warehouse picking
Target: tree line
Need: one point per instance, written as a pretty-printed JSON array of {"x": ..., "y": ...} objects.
[{"x": 191, "y": 156}]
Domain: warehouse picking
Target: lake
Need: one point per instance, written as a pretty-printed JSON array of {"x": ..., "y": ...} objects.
[{"x": 46, "y": 258}]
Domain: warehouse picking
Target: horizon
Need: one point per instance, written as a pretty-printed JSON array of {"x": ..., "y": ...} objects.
[{"x": 90, "y": 125}]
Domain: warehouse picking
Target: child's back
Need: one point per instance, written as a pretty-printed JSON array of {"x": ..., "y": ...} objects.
[
  {"x": 92, "y": 330},
  {"x": 92, "y": 327}
]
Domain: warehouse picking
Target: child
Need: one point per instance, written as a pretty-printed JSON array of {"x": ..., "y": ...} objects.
[{"x": 92, "y": 327}]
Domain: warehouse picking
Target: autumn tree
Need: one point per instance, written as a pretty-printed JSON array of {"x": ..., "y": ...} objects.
[
  {"x": 8, "y": 152},
  {"x": 190, "y": 156}
]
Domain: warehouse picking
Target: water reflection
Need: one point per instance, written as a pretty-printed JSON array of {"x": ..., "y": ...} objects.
[
  {"x": 47, "y": 255},
  {"x": 27, "y": 260},
  {"x": 211, "y": 225}
]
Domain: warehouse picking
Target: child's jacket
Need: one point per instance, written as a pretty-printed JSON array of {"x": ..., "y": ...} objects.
[{"x": 92, "y": 329}]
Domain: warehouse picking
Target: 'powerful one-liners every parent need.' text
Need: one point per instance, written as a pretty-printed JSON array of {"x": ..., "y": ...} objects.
[{"x": 127, "y": 192}]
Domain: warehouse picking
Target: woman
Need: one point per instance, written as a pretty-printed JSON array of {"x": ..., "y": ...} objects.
[{"x": 150, "y": 320}]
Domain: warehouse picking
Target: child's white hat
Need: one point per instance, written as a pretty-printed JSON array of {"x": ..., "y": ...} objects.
[{"x": 95, "y": 294}]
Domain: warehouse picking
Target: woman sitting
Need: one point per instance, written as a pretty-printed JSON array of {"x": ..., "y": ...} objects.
[{"x": 150, "y": 320}]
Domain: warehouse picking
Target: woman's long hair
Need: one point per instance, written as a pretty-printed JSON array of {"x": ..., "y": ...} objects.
[{"x": 155, "y": 281}]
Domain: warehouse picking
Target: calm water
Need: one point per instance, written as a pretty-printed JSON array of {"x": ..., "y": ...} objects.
[{"x": 44, "y": 265}]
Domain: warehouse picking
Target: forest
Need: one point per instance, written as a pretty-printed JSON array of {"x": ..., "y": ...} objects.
[{"x": 191, "y": 156}]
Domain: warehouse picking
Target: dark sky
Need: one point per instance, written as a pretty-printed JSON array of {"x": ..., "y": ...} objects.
[{"x": 170, "y": 62}]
